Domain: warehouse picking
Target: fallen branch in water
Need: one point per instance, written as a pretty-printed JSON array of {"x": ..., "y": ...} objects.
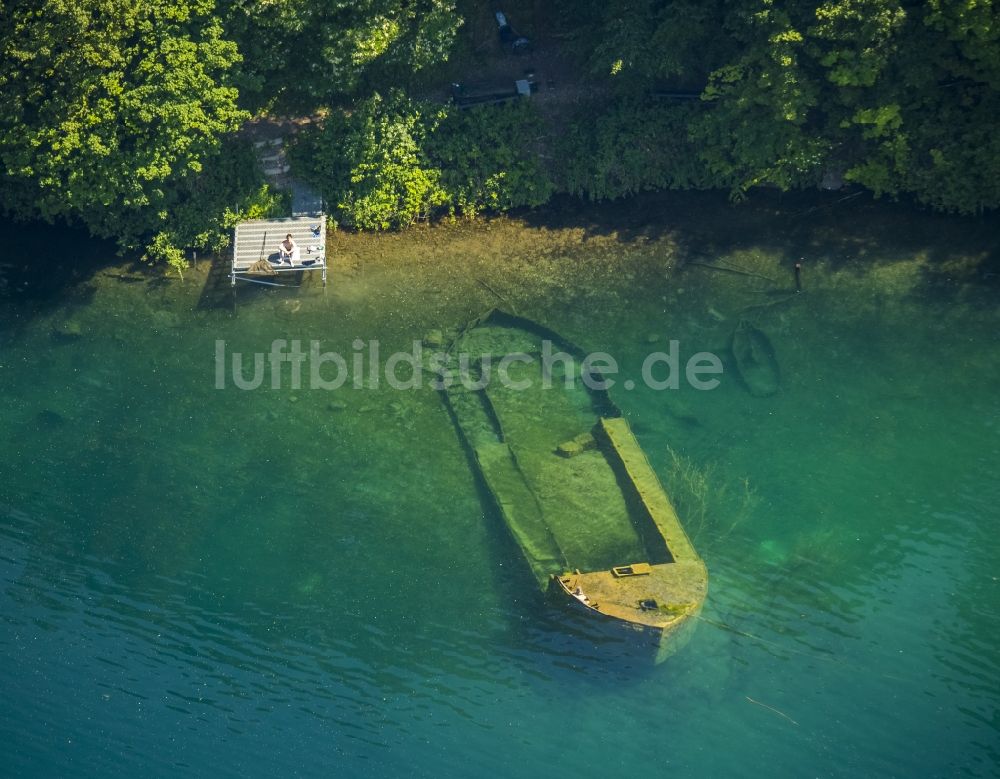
[
  {"x": 769, "y": 304},
  {"x": 731, "y": 269},
  {"x": 771, "y": 708},
  {"x": 500, "y": 297},
  {"x": 829, "y": 205}
]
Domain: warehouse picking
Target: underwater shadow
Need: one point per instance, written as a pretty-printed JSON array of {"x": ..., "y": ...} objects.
[
  {"x": 51, "y": 266},
  {"x": 219, "y": 294},
  {"x": 847, "y": 230}
]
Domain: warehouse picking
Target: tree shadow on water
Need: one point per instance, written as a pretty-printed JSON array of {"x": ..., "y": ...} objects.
[
  {"x": 44, "y": 260},
  {"x": 847, "y": 230}
]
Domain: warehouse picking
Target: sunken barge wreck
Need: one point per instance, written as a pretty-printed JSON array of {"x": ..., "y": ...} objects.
[{"x": 570, "y": 481}]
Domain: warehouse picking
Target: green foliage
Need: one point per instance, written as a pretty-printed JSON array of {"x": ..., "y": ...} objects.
[
  {"x": 393, "y": 161},
  {"x": 163, "y": 249},
  {"x": 647, "y": 38},
  {"x": 629, "y": 147},
  {"x": 759, "y": 130},
  {"x": 841, "y": 24},
  {"x": 205, "y": 208},
  {"x": 925, "y": 127},
  {"x": 121, "y": 114},
  {"x": 488, "y": 158},
  {"x": 303, "y": 54},
  {"x": 899, "y": 97},
  {"x": 111, "y": 111},
  {"x": 371, "y": 164}
]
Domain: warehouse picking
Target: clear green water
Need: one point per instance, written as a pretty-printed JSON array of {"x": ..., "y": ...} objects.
[{"x": 219, "y": 582}]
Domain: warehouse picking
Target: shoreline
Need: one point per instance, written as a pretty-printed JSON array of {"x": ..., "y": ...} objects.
[{"x": 651, "y": 236}]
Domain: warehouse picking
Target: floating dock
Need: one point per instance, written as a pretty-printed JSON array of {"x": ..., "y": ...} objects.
[{"x": 256, "y": 252}]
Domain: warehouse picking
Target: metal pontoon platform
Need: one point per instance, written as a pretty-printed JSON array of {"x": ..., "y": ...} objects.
[{"x": 255, "y": 247}]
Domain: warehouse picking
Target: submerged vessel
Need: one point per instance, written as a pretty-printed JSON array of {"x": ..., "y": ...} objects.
[
  {"x": 569, "y": 478},
  {"x": 756, "y": 362}
]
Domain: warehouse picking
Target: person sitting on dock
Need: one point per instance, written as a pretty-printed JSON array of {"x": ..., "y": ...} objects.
[{"x": 288, "y": 250}]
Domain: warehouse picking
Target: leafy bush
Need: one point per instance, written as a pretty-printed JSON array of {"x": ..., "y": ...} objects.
[
  {"x": 630, "y": 147},
  {"x": 488, "y": 160},
  {"x": 393, "y": 161},
  {"x": 370, "y": 163},
  {"x": 112, "y": 112},
  {"x": 203, "y": 212}
]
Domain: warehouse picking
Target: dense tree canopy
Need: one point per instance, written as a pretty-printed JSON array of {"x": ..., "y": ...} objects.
[
  {"x": 900, "y": 97},
  {"x": 307, "y": 53},
  {"x": 123, "y": 115},
  {"x": 111, "y": 108},
  {"x": 389, "y": 162}
]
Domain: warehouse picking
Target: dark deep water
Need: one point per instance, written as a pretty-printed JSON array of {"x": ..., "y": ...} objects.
[{"x": 306, "y": 582}]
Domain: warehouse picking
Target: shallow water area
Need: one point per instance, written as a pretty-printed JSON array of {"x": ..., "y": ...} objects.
[{"x": 295, "y": 581}]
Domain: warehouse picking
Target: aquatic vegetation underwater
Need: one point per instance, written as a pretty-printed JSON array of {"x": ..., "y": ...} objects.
[
  {"x": 294, "y": 580},
  {"x": 712, "y": 507}
]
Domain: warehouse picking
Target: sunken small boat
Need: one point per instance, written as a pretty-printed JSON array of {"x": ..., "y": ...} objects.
[
  {"x": 569, "y": 479},
  {"x": 755, "y": 360}
]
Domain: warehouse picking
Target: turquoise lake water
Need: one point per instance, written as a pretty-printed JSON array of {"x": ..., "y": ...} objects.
[{"x": 196, "y": 581}]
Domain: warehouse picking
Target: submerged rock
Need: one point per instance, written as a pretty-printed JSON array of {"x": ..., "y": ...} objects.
[
  {"x": 756, "y": 362},
  {"x": 48, "y": 418},
  {"x": 67, "y": 330},
  {"x": 577, "y": 445}
]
